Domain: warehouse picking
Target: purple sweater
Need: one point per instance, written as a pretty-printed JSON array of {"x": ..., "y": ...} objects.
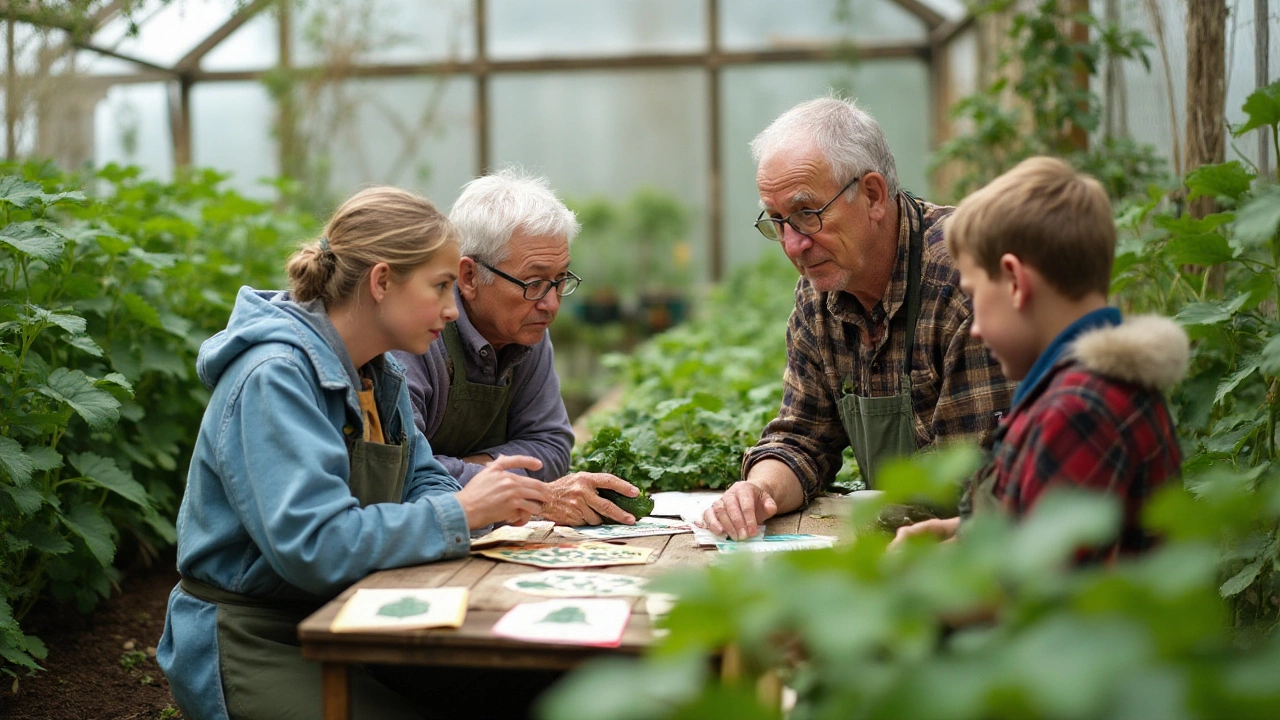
[{"x": 537, "y": 422}]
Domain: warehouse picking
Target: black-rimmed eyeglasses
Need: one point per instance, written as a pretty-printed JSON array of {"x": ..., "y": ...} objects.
[
  {"x": 805, "y": 222},
  {"x": 538, "y": 289}
]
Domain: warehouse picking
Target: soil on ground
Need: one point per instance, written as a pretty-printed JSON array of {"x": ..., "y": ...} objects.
[{"x": 100, "y": 666}]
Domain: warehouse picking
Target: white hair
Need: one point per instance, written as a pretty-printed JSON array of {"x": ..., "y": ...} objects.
[
  {"x": 847, "y": 136},
  {"x": 493, "y": 208}
]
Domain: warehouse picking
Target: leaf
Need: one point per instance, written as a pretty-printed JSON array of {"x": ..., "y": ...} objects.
[
  {"x": 1228, "y": 180},
  {"x": 33, "y": 239},
  {"x": 44, "y": 457},
  {"x": 85, "y": 344},
  {"x": 141, "y": 310},
  {"x": 1242, "y": 579},
  {"x": 1062, "y": 521},
  {"x": 27, "y": 499},
  {"x": 1199, "y": 250},
  {"x": 15, "y": 462},
  {"x": 105, "y": 473},
  {"x": 1263, "y": 109},
  {"x": 1269, "y": 358},
  {"x": 74, "y": 388},
  {"x": 117, "y": 379},
  {"x": 1248, "y": 366},
  {"x": 45, "y": 539},
  {"x": 73, "y": 324},
  {"x": 20, "y": 193},
  {"x": 407, "y": 606},
  {"x": 1211, "y": 312},
  {"x": 1258, "y": 219},
  {"x": 86, "y": 521}
]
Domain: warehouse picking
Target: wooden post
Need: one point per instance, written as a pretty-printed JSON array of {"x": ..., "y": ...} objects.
[
  {"x": 481, "y": 72},
  {"x": 180, "y": 122},
  {"x": 715, "y": 203},
  {"x": 11, "y": 92},
  {"x": 335, "y": 686},
  {"x": 1206, "y": 90},
  {"x": 1079, "y": 136},
  {"x": 288, "y": 153},
  {"x": 1262, "y": 75}
]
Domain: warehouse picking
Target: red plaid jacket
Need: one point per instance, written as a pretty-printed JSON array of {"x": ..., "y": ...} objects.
[{"x": 1098, "y": 420}]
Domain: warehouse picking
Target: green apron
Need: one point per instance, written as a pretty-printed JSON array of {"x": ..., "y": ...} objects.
[
  {"x": 262, "y": 669},
  {"x": 881, "y": 428},
  {"x": 475, "y": 417}
]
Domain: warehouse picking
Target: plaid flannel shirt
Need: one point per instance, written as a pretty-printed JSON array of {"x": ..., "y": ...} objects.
[
  {"x": 957, "y": 389},
  {"x": 1081, "y": 428}
]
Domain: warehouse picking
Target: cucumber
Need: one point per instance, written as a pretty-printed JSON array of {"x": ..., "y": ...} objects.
[{"x": 639, "y": 506}]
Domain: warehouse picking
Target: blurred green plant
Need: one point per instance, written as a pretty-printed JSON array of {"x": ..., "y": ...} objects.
[
  {"x": 105, "y": 296},
  {"x": 861, "y": 632},
  {"x": 1036, "y": 101},
  {"x": 1228, "y": 405}
]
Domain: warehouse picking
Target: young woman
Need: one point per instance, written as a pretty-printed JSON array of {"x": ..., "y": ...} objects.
[{"x": 308, "y": 472}]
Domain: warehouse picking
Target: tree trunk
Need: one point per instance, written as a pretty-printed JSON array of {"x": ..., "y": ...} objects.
[{"x": 1206, "y": 89}]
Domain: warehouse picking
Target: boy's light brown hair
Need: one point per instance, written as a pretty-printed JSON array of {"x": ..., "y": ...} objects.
[{"x": 1051, "y": 217}]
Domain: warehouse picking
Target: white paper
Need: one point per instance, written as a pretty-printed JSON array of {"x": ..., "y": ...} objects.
[
  {"x": 687, "y": 505},
  {"x": 644, "y": 527},
  {"x": 565, "y": 583},
  {"x": 777, "y": 543},
  {"x": 594, "y": 622}
]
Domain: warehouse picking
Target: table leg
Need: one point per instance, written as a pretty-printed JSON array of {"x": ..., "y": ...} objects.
[{"x": 335, "y": 684}]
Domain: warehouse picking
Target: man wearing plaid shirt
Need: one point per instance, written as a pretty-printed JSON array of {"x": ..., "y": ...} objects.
[{"x": 879, "y": 355}]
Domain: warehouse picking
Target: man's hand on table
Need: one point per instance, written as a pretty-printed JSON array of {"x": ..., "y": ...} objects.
[
  {"x": 495, "y": 495},
  {"x": 942, "y": 528},
  {"x": 739, "y": 512},
  {"x": 574, "y": 500}
]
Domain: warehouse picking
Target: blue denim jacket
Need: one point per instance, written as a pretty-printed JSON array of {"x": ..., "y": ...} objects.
[{"x": 267, "y": 510}]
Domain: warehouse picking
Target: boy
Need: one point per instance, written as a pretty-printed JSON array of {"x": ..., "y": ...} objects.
[{"x": 1034, "y": 251}]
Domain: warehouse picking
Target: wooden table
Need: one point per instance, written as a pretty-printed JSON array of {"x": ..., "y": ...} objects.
[{"x": 473, "y": 645}]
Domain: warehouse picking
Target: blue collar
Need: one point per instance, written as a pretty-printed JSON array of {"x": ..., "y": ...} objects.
[{"x": 1102, "y": 317}]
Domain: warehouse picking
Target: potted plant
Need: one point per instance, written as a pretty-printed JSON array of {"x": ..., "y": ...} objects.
[{"x": 657, "y": 226}]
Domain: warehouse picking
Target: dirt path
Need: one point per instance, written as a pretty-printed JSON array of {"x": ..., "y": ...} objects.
[{"x": 100, "y": 667}]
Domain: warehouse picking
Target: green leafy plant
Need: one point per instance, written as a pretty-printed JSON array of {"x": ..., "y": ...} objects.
[
  {"x": 105, "y": 296},
  {"x": 1036, "y": 101}
]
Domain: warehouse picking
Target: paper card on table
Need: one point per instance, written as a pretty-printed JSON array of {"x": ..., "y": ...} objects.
[
  {"x": 687, "y": 505},
  {"x": 644, "y": 527},
  {"x": 706, "y": 538},
  {"x": 777, "y": 543},
  {"x": 587, "y": 554},
  {"x": 565, "y": 583},
  {"x": 592, "y": 622},
  {"x": 402, "y": 609},
  {"x": 511, "y": 533}
]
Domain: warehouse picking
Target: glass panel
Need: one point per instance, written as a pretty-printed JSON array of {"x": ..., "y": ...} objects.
[
  {"x": 895, "y": 92},
  {"x": 88, "y": 62},
  {"x": 254, "y": 46},
  {"x": 609, "y": 134},
  {"x": 757, "y": 24},
  {"x": 167, "y": 32},
  {"x": 131, "y": 127},
  {"x": 383, "y": 31},
  {"x": 414, "y": 132},
  {"x": 545, "y": 28},
  {"x": 231, "y": 130}
]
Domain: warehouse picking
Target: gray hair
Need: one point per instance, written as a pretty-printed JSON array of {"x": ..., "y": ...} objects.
[
  {"x": 493, "y": 208},
  {"x": 847, "y": 136}
]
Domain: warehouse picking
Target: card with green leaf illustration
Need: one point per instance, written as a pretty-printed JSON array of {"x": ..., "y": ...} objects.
[
  {"x": 402, "y": 609},
  {"x": 596, "y": 622},
  {"x": 644, "y": 527},
  {"x": 567, "y": 583},
  {"x": 587, "y": 554}
]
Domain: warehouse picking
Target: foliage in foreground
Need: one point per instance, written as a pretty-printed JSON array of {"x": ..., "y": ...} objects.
[
  {"x": 105, "y": 297},
  {"x": 860, "y": 632}
]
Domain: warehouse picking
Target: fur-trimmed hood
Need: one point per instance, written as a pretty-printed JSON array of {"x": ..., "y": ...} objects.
[{"x": 1146, "y": 350}]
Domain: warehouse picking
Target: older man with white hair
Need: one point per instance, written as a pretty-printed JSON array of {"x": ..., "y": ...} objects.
[
  {"x": 489, "y": 387},
  {"x": 879, "y": 355}
]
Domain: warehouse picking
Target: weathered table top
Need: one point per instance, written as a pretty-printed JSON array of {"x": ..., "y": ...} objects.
[{"x": 474, "y": 645}]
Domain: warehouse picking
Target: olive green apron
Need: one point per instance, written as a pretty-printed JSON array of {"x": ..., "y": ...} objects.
[
  {"x": 881, "y": 428},
  {"x": 475, "y": 417},
  {"x": 263, "y": 672}
]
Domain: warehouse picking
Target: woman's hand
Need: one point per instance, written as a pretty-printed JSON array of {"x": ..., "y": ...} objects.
[{"x": 495, "y": 495}]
